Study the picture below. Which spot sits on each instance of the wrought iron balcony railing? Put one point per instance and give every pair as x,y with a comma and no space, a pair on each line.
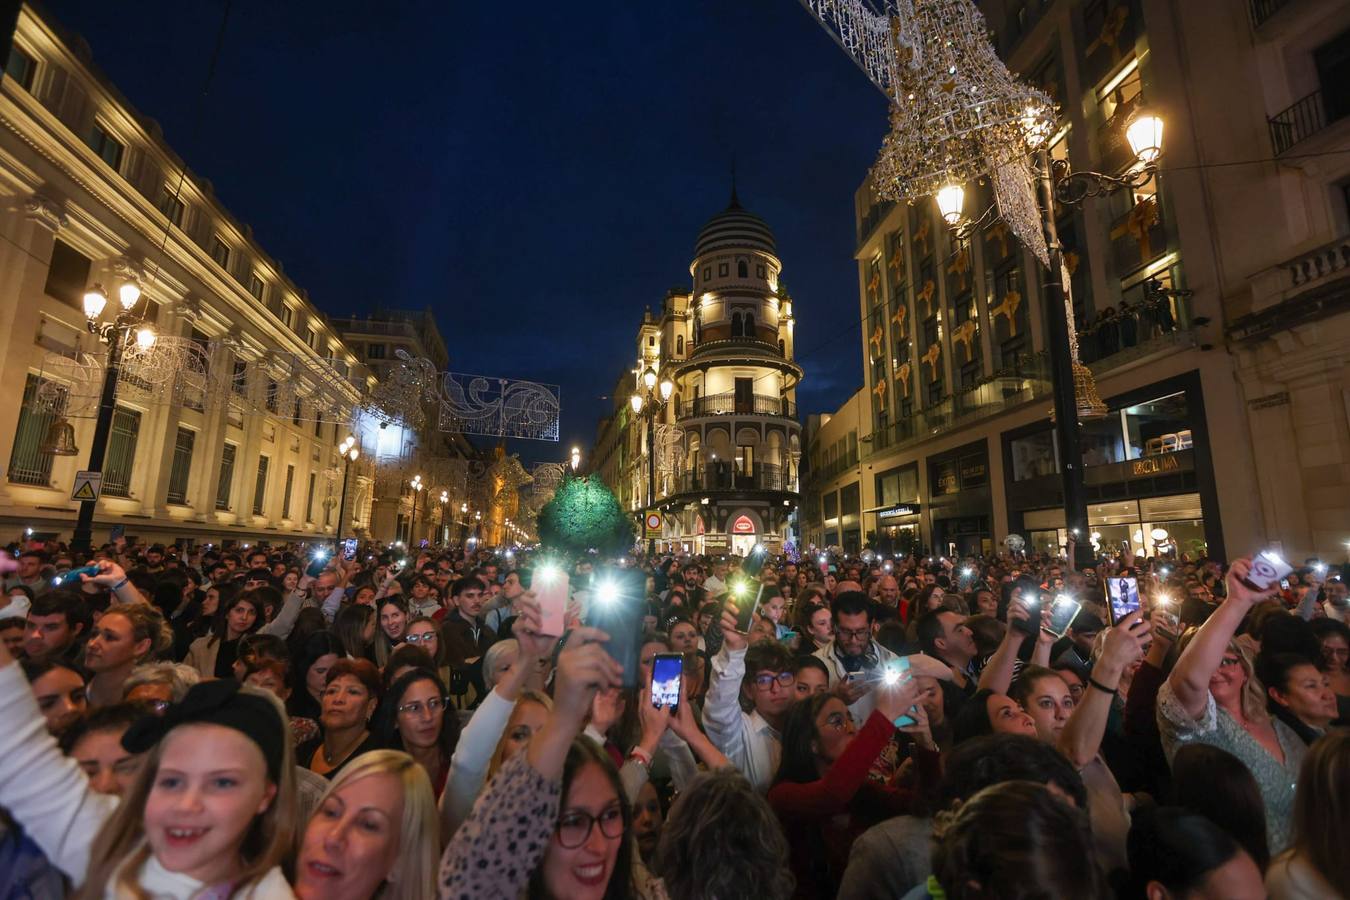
729,404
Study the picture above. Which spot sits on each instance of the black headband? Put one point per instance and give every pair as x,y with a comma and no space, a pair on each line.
217,702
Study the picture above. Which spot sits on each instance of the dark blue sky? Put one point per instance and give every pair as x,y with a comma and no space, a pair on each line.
534,172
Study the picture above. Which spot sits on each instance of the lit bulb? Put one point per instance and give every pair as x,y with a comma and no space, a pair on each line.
145,338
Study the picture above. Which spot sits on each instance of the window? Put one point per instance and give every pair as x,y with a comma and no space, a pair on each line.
106,146
182,465
312,338
256,286
172,206
239,380
121,459
318,428
1332,60
737,330
21,67
67,275
272,389
286,497
759,271
722,270
679,345
742,269
707,273
226,476
375,351
309,500
288,316
260,486
27,463
220,251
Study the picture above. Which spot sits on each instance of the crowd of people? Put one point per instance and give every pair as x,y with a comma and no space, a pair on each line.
275,722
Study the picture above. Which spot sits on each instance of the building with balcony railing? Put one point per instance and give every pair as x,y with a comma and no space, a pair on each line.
723,450
1226,249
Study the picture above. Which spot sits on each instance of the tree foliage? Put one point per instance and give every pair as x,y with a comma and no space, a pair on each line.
584,514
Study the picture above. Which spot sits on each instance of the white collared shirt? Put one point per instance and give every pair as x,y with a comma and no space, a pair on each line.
751,744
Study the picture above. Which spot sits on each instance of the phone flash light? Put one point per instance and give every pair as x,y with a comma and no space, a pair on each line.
891,677
967,571
1321,568
607,592
320,554
28,532
1063,600
740,588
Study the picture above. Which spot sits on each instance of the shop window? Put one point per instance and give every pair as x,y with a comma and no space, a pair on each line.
1102,442
1157,427
1034,456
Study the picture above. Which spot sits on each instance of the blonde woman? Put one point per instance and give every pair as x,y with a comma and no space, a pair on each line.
127,635
224,746
1213,697
374,834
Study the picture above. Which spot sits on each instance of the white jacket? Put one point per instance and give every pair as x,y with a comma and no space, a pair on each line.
863,707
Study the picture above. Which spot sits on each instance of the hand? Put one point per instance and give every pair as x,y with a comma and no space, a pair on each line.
109,574
1239,591
683,724
851,691
1124,644
1044,635
534,645
654,721
583,669
894,700
8,564
606,708
734,639
1017,612
921,731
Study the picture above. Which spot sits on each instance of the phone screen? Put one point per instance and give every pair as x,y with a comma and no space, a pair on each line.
1062,613
1124,594
667,671
616,607
550,587
896,671
754,561
116,532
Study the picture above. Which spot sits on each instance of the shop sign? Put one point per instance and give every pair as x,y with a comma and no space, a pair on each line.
743,525
895,512
715,542
1269,400
1154,465
945,478
974,472
1145,467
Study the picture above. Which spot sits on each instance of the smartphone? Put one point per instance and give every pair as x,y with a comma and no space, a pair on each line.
116,532
896,671
616,606
1031,599
754,561
1062,613
667,674
550,585
1124,594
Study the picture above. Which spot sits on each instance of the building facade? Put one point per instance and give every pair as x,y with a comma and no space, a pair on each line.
1208,302
90,193
721,453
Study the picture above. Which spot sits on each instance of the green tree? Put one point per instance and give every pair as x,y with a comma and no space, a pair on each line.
584,514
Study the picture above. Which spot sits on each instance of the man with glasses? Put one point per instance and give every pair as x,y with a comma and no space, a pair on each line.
854,659
747,701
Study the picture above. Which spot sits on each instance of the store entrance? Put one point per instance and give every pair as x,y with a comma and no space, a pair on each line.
742,544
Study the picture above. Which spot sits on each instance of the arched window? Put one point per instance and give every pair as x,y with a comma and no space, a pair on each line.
742,269
782,348
737,329
748,325
679,345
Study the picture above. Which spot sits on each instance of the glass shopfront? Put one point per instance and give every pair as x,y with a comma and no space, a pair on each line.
1147,476
960,505
894,528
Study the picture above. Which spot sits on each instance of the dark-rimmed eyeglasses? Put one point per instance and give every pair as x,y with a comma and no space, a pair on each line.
765,680
435,704
574,826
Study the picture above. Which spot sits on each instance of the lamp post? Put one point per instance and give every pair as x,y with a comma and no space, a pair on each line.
1057,184
347,450
576,459
416,485
116,334
650,402
441,537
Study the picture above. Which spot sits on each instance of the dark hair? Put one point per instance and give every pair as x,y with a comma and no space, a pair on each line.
1216,784
219,628
253,647
928,629
1017,839
317,645
1285,633
766,655
1326,627
1272,669
585,752
810,662
1022,686
798,763
720,817
33,669
891,635
103,718
449,735
1322,807
66,603
405,655
995,758
1177,848
465,583
972,720
349,627
851,603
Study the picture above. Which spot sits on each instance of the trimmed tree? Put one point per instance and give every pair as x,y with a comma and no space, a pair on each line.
584,514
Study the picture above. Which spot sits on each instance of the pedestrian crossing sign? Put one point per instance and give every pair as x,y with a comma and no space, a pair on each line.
87,485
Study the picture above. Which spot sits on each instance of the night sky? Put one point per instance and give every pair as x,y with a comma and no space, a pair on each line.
534,172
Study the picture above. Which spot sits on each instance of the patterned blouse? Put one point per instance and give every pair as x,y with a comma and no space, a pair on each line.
1217,728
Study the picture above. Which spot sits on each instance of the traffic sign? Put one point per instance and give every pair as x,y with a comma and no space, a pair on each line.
88,485
654,522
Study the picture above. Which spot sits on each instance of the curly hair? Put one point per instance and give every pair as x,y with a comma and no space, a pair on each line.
720,817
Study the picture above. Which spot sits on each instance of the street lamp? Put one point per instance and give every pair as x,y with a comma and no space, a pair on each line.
1075,393
576,459
440,534
650,403
118,335
347,450
416,485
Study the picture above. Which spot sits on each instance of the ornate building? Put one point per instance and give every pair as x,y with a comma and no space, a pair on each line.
722,451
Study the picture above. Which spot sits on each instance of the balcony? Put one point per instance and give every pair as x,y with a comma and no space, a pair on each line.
720,476
1300,290
729,404
736,345
1303,119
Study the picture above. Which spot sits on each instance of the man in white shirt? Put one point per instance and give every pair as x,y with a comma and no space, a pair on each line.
854,659
747,701
716,583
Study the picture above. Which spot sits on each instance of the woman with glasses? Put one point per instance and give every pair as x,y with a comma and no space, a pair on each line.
425,634
822,780
419,721
1213,697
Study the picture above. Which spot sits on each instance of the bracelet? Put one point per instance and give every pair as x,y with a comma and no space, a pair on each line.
116,587
641,757
1101,687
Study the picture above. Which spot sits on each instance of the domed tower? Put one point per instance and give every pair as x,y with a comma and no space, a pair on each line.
736,388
